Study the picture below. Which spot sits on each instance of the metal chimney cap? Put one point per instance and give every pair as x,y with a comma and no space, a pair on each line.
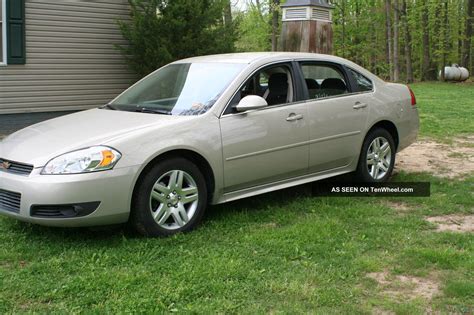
304,3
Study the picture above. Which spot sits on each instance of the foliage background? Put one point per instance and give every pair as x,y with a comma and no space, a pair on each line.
430,33
399,40
162,31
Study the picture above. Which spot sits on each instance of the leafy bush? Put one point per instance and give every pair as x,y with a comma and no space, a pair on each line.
162,31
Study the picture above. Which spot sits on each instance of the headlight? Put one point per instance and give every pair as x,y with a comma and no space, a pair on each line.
93,159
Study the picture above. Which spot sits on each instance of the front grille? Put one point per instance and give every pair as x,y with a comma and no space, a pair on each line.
15,167
10,201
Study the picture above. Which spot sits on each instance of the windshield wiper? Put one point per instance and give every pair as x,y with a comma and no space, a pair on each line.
153,111
108,106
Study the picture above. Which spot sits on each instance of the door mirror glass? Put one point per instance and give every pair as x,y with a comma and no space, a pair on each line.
251,102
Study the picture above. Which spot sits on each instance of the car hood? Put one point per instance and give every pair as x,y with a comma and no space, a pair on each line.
39,143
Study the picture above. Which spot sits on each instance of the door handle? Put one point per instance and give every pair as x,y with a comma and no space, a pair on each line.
359,105
294,117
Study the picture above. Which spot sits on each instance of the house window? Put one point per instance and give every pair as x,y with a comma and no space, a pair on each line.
12,32
3,33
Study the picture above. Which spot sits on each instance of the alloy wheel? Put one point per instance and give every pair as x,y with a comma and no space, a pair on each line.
174,199
379,158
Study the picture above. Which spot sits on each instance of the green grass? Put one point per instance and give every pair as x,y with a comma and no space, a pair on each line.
284,252
446,109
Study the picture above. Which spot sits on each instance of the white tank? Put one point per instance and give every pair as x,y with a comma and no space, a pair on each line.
464,74
455,73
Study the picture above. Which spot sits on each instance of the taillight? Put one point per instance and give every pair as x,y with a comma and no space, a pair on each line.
413,98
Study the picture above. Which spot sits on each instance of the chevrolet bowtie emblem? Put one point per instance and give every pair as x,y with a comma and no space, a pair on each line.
6,165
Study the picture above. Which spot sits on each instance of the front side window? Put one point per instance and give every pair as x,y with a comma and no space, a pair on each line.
3,32
324,81
363,84
274,84
179,89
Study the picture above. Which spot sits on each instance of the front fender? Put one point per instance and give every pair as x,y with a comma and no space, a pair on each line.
200,135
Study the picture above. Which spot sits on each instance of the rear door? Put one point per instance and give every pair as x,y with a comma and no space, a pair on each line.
337,116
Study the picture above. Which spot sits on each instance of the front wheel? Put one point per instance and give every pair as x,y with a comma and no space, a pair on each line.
377,158
170,198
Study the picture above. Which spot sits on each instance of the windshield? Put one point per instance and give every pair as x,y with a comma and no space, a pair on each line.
179,89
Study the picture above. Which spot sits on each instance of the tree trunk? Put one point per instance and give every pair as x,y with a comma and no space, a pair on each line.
343,21
388,31
259,7
462,23
468,36
356,34
396,40
427,73
408,44
275,24
228,13
445,40
373,54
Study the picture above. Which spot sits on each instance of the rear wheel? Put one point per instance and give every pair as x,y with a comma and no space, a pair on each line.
377,158
169,199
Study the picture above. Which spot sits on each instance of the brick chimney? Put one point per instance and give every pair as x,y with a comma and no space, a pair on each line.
307,26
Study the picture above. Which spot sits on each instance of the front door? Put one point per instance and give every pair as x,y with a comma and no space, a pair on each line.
267,145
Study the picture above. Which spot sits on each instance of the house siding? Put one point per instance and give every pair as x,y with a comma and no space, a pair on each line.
71,61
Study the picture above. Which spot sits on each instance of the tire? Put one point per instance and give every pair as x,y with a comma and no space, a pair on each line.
382,159
162,206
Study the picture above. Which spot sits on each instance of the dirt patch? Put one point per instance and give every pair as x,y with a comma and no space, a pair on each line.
406,287
398,206
453,223
379,311
270,225
439,159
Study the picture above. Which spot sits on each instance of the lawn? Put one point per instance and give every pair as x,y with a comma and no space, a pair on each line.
446,109
284,252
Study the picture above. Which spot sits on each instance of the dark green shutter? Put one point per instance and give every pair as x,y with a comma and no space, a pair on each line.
16,50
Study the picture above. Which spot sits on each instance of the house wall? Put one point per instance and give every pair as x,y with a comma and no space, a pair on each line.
71,62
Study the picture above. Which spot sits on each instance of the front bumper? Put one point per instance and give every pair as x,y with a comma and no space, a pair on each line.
113,189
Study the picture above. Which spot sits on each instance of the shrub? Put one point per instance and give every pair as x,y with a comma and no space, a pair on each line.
162,31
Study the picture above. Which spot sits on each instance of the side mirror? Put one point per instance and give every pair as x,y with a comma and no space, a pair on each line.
251,102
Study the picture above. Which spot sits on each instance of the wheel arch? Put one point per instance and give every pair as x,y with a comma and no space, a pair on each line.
187,154
390,127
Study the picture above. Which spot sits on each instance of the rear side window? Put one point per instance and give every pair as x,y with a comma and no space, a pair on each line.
363,84
324,81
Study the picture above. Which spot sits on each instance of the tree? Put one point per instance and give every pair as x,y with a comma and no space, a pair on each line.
396,41
259,26
408,44
445,40
466,51
388,31
275,8
427,35
427,70
254,30
162,31
228,13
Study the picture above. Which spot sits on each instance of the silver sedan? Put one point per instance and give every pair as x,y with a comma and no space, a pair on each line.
206,130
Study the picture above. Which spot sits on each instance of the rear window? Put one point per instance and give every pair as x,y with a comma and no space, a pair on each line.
363,83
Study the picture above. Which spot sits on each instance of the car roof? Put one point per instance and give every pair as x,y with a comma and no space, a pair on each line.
248,58
269,57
